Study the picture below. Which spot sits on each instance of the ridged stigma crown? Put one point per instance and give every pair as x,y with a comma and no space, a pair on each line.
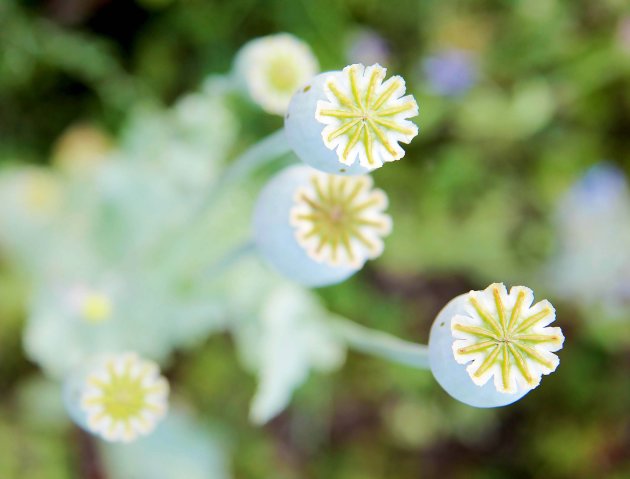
365,117
507,337
125,397
340,220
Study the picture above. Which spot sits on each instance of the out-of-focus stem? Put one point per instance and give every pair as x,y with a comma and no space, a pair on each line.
383,345
257,155
269,148
265,150
232,257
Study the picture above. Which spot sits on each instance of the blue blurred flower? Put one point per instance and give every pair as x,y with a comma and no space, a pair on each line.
592,221
450,72
598,190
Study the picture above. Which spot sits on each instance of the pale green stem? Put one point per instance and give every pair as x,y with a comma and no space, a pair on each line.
383,345
257,155
270,147
260,153
360,338
228,260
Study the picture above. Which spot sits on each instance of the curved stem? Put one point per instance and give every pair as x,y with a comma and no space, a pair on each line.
270,147
228,260
360,338
383,345
260,153
265,150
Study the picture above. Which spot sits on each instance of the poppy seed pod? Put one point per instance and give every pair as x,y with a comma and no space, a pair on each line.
319,229
489,348
350,122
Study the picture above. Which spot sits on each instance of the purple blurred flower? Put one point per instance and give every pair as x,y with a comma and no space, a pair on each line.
623,34
368,47
450,72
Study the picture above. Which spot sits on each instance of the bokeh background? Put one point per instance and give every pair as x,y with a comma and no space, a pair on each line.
518,175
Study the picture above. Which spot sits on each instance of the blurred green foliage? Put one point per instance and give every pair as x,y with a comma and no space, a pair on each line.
472,204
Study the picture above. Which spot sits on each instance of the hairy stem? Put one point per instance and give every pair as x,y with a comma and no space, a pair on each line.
383,345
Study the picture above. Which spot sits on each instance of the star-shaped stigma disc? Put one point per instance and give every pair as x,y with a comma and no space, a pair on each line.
505,336
340,220
365,117
124,398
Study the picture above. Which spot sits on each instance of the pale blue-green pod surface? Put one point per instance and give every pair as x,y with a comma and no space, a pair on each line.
73,387
453,376
275,237
304,132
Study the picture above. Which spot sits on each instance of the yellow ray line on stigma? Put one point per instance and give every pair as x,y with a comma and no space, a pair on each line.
365,205
475,330
371,86
331,190
488,362
342,114
394,110
529,322
362,239
343,99
323,241
392,125
535,355
358,187
314,231
365,222
354,139
499,305
310,202
345,239
343,129
485,316
521,364
516,310
311,217
538,338
318,189
505,367
367,145
354,87
341,186
395,85
474,348
383,140
334,245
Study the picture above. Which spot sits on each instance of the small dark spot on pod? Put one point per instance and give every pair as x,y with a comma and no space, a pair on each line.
342,170
306,88
442,323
